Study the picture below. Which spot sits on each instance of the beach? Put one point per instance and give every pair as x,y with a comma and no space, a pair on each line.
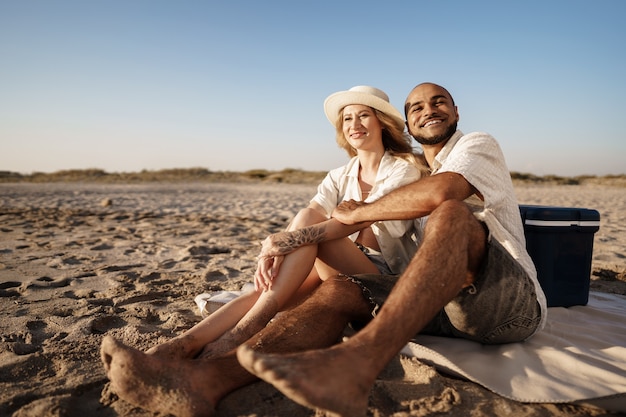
82,260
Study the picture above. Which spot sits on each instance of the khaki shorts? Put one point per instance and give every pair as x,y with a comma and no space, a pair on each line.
499,307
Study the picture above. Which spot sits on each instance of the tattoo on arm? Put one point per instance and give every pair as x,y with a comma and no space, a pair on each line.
306,236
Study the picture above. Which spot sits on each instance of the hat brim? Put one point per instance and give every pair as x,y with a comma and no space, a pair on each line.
337,101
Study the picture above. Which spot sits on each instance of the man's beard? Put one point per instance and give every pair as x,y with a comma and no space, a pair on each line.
437,139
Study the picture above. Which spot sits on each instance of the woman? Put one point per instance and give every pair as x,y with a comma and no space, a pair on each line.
315,245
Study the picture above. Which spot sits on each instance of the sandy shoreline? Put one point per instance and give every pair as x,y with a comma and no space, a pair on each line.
81,260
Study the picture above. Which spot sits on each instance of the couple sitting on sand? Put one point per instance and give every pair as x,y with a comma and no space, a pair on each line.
383,247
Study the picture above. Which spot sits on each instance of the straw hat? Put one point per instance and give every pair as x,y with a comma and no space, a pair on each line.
361,94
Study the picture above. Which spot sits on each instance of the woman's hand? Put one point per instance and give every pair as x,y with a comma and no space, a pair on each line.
266,271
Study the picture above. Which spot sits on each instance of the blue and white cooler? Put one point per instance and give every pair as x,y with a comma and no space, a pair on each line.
560,242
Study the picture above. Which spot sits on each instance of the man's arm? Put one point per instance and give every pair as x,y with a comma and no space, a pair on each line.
411,201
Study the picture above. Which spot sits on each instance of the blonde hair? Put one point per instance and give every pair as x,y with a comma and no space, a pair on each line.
394,141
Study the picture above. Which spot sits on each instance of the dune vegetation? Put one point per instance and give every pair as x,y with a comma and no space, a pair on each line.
289,175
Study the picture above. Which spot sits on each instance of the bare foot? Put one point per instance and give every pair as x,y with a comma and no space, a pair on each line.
179,387
328,379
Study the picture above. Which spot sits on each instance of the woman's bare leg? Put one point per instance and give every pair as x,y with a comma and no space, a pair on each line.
238,320
190,343
209,330
292,275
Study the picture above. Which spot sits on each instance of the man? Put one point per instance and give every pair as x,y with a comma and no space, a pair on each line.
470,278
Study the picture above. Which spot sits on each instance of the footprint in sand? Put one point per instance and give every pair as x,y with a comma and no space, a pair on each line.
47,282
102,246
120,268
100,325
202,250
201,253
29,340
133,297
9,288
27,366
167,264
62,262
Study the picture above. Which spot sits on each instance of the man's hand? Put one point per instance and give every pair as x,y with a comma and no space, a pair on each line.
345,211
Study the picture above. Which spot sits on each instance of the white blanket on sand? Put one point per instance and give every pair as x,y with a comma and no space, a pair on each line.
579,357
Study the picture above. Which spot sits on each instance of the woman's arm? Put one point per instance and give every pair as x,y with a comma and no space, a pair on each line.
309,226
282,243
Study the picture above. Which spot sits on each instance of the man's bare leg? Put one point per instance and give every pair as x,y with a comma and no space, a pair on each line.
339,379
187,387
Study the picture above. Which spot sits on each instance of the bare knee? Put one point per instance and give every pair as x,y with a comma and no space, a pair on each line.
454,222
452,216
450,213
306,217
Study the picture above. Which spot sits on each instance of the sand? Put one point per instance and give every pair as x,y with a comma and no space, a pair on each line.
78,261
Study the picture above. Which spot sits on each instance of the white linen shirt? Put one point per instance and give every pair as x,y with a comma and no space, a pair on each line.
397,239
479,159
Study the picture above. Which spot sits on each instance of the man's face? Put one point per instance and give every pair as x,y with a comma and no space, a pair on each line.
431,114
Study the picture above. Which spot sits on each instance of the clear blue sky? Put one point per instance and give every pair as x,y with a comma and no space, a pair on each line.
236,85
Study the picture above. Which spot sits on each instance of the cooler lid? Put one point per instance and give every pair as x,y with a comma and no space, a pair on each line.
559,216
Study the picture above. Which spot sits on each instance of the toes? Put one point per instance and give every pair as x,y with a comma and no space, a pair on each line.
251,360
106,361
106,352
245,356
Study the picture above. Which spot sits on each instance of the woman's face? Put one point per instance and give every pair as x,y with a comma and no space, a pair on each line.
361,127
